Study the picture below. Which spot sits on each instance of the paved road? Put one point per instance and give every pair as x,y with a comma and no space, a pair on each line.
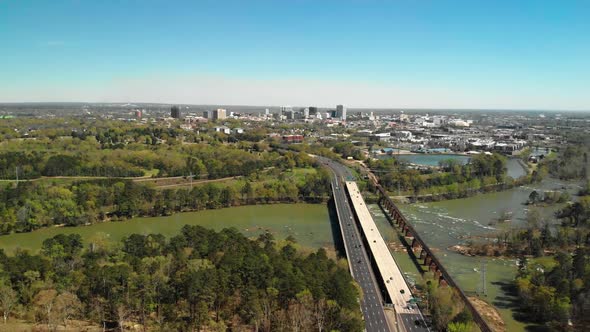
371,304
385,265
360,264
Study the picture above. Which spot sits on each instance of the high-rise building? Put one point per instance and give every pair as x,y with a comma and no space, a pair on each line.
289,115
313,110
175,112
341,112
306,113
283,110
219,114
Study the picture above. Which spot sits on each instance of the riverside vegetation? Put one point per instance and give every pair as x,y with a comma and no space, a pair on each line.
101,173
556,292
553,280
483,173
198,279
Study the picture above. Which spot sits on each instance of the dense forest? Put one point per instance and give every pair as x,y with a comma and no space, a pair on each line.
573,162
199,279
30,160
558,293
32,148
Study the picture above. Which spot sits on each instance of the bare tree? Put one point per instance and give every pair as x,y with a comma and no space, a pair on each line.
320,312
67,306
300,312
280,320
8,300
45,301
123,314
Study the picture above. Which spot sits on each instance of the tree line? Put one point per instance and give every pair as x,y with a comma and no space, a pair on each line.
572,163
198,279
557,295
453,181
33,205
200,160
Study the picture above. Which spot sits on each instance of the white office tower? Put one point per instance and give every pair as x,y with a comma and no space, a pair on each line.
341,112
306,113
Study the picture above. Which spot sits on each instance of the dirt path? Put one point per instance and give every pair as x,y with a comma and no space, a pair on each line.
164,182
186,182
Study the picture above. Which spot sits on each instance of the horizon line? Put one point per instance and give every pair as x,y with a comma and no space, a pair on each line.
328,107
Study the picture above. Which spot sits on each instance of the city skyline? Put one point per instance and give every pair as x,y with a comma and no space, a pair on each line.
363,54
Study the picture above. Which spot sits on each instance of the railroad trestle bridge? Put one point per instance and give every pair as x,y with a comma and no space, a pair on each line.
422,252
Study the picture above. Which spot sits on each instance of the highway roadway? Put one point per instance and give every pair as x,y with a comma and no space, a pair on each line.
395,283
407,314
371,303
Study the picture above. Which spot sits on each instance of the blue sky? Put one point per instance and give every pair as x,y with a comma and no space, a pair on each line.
413,53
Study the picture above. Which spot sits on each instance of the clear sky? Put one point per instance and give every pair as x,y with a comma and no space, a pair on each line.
512,54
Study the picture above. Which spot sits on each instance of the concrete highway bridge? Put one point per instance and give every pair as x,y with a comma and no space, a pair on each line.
370,262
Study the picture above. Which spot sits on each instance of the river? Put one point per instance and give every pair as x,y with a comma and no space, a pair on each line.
431,159
514,169
446,223
308,223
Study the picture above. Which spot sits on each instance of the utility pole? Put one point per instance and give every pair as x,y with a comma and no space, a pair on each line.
399,192
483,265
16,171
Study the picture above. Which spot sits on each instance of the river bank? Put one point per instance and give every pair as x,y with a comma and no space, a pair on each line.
309,224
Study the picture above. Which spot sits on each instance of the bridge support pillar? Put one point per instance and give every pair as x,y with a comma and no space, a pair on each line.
418,250
407,232
432,267
416,246
437,274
